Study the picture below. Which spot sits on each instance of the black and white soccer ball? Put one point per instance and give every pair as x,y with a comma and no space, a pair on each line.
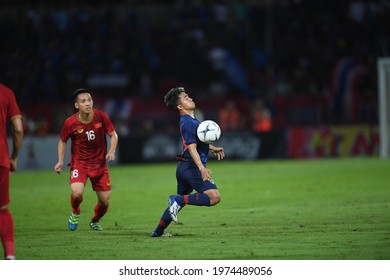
208,131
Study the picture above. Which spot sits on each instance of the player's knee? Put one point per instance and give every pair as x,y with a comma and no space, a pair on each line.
213,196
103,204
215,199
77,195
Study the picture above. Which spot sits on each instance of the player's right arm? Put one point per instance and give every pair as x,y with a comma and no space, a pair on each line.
61,156
196,158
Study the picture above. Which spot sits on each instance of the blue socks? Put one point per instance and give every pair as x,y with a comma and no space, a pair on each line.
164,222
199,199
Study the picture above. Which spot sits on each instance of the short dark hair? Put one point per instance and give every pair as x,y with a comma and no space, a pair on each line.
76,93
172,97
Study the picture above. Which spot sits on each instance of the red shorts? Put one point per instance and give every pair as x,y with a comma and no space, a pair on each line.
99,177
4,186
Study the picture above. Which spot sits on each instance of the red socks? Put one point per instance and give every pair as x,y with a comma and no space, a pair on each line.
7,233
100,210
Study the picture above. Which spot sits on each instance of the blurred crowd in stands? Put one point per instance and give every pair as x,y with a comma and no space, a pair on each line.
251,65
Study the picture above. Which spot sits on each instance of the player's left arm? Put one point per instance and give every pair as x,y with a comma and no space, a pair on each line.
217,151
17,136
113,143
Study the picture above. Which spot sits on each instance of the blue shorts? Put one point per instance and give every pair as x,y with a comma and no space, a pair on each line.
189,178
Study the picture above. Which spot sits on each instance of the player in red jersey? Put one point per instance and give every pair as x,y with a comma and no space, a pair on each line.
9,111
87,130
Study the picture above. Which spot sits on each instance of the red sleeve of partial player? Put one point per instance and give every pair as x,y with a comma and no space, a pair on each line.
13,107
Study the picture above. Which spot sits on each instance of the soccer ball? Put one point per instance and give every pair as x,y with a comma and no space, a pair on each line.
208,131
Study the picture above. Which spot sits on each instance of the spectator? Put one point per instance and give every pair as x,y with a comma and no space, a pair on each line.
260,117
230,118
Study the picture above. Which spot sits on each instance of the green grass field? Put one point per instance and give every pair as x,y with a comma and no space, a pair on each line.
272,210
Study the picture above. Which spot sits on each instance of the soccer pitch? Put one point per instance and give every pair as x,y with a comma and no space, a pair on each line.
333,209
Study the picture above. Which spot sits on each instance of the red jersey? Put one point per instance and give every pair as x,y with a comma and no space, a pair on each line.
8,110
89,144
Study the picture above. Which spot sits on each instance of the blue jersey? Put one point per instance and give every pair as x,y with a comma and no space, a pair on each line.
188,126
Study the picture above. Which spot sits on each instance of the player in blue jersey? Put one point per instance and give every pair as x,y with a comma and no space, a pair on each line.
191,173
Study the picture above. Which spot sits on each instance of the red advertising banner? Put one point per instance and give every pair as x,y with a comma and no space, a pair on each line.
332,141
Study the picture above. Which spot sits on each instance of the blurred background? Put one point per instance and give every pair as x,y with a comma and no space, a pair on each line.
283,78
